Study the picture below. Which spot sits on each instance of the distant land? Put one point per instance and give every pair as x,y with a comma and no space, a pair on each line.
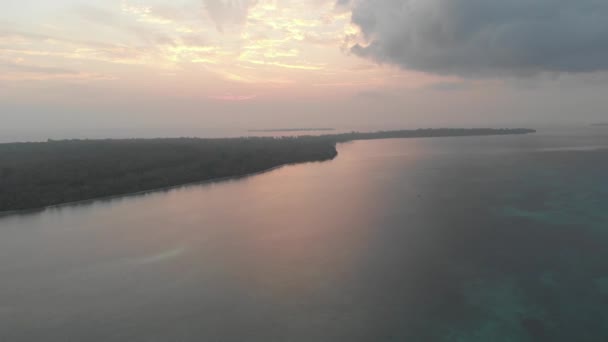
292,130
41,174
600,124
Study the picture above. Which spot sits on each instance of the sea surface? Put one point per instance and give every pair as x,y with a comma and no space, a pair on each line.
444,239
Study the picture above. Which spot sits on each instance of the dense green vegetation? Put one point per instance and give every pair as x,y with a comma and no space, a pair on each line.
35,175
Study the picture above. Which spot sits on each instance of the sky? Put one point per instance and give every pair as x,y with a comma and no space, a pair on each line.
97,68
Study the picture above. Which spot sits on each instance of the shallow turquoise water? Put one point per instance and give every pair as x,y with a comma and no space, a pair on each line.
452,239
563,287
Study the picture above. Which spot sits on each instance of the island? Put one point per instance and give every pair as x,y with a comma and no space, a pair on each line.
41,174
270,130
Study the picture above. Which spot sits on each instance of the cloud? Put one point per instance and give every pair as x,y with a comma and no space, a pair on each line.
474,38
449,86
321,40
50,46
194,40
342,5
150,15
228,12
233,98
11,71
95,14
17,67
159,14
374,95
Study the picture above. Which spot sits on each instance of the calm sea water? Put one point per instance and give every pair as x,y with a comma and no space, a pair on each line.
447,239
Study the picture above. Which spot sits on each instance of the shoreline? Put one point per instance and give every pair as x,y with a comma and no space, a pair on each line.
144,192
338,139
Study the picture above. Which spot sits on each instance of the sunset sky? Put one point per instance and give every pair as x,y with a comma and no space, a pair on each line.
72,68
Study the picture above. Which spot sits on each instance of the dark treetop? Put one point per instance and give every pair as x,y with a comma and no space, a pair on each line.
35,175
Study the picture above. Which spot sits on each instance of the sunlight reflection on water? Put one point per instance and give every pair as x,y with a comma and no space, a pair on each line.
413,239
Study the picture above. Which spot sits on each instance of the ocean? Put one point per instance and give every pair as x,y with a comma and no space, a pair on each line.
441,239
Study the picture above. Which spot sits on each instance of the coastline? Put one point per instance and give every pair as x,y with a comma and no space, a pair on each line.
337,139
145,192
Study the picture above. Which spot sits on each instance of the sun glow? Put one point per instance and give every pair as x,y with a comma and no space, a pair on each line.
252,49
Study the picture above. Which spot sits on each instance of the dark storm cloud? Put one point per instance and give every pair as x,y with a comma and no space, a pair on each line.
342,3
484,37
